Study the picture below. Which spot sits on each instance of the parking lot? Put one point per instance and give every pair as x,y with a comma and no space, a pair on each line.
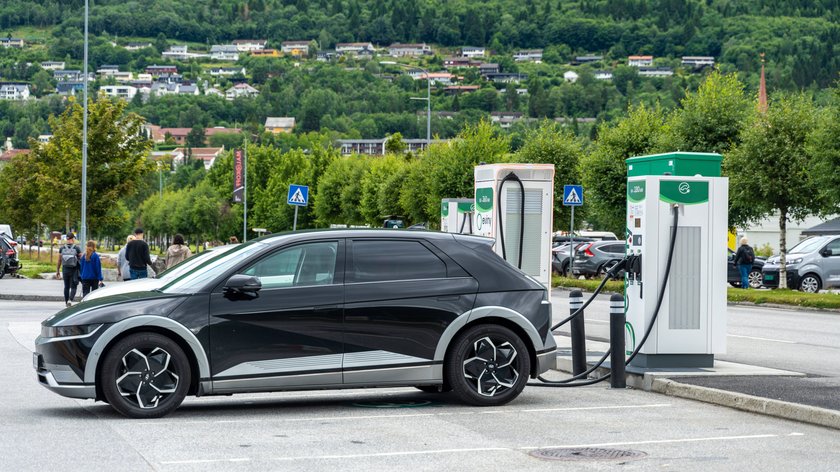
386,429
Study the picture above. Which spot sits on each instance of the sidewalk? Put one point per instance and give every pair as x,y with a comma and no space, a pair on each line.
38,290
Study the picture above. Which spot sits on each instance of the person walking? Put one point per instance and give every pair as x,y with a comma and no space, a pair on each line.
68,267
91,269
177,252
123,271
744,258
137,253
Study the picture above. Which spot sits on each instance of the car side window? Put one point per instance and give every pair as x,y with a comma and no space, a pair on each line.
834,247
298,266
379,261
615,248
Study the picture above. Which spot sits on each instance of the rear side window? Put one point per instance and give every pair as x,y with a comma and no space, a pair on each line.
379,261
613,248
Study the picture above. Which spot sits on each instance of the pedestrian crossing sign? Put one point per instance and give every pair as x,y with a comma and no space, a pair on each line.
298,195
573,195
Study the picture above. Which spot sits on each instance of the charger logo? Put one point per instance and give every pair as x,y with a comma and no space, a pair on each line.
684,188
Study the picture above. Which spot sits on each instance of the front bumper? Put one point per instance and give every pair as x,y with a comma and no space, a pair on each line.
770,278
70,384
60,364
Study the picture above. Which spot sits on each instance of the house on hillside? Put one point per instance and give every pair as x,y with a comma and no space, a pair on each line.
698,62
659,72
10,42
241,90
506,118
177,52
639,61
126,92
280,124
206,155
226,71
488,68
355,49
587,59
224,52
528,55
71,75
409,50
52,65
249,45
156,70
16,92
69,87
570,76
135,46
507,78
295,48
472,51
459,89
603,75
459,61
265,53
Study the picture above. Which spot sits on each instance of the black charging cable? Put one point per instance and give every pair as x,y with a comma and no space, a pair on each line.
512,176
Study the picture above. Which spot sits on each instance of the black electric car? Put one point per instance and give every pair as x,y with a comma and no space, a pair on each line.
310,310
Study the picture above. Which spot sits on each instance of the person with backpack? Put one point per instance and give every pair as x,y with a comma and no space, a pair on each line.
91,269
137,254
68,267
744,258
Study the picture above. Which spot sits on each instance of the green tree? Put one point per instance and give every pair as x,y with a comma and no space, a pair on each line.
605,170
824,148
195,138
395,144
770,172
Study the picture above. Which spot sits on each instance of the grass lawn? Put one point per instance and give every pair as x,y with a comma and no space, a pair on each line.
780,297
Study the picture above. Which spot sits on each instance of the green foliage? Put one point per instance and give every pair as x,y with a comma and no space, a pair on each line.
824,147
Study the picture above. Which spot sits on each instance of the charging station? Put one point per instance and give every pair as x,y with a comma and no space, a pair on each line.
456,215
514,203
691,327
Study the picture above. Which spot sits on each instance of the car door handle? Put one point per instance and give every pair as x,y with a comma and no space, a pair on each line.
448,298
325,308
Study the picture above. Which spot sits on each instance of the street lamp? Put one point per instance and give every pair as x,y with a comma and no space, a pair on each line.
428,97
84,132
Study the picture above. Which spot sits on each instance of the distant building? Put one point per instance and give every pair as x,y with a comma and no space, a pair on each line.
177,52
459,61
410,50
507,78
376,147
639,61
281,124
265,53
488,68
14,92
71,75
472,51
570,76
528,55
156,70
52,65
655,72
698,62
355,49
459,89
224,52
69,87
44,138
126,92
603,75
506,118
206,155
588,59
241,90
226,71
442,78
135,46
295,48
249,45
12,42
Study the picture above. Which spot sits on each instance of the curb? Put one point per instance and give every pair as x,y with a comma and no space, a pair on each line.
31,298
740,401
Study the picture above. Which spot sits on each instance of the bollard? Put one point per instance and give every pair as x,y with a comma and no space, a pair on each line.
578,333
617,319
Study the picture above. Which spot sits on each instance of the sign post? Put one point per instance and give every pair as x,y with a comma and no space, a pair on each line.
572,197
298,197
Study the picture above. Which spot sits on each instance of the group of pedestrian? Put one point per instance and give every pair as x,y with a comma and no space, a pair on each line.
75,266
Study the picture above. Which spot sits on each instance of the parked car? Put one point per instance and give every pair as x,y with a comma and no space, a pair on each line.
599,235
310,310
560,257
559,240
596,258
10,263
812,265
168,275
733,274
393,222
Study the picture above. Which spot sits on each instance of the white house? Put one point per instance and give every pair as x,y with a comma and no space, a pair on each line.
570,76
639,61
136,46
698,61
52,65
241,90
126,92
44,138
177,52
411,50
14,92
9,42
472,51
354,49
226,71
224,52
603,75
660,72
248,45
528,55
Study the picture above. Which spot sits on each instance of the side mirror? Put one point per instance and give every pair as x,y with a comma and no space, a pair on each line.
241,283
826,252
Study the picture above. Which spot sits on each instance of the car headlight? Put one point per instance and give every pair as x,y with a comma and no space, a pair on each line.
793,261
65,331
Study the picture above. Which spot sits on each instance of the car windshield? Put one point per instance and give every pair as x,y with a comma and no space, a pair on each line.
209,268
808,245
187,265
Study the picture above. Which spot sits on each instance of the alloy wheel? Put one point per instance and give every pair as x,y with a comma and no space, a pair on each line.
810,284
146,377
490,366
755,279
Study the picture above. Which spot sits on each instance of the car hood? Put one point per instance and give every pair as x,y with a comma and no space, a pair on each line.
111,309
139,285
788,257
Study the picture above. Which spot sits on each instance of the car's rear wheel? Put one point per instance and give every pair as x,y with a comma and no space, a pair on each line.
488,365
755,278
145,375
810,284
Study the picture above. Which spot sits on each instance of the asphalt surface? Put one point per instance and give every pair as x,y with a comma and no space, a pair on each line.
385,429
800,341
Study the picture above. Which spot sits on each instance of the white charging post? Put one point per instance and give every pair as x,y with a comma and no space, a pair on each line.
456,215
535,224
691,325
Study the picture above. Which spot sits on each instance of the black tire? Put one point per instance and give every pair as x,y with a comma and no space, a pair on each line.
565,270
160,360
810,284
755,278
432,388
481,375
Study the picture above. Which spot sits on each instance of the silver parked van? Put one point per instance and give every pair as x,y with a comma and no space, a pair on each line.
813,264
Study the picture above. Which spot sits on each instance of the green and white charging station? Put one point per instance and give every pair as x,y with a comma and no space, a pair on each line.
691,326
498,186
456,215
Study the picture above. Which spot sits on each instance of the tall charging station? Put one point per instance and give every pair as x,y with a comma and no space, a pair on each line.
691,324
456,215
502,213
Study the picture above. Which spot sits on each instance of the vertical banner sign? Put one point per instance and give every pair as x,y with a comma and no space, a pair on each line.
238,176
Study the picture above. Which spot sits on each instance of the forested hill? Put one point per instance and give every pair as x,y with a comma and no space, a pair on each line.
800,37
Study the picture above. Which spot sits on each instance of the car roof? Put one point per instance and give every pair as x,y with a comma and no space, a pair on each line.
373,233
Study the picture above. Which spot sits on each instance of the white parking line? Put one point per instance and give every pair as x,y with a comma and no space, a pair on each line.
761,339
489,449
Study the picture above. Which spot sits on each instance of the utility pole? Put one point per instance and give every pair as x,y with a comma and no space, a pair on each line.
84,132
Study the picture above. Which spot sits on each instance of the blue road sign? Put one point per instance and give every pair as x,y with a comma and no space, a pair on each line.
298,195
573,195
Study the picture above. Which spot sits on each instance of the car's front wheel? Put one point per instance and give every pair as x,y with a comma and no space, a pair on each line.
810,284
488,365
145,375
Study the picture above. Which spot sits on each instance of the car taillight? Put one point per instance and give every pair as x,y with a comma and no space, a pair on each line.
10,252
587,252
